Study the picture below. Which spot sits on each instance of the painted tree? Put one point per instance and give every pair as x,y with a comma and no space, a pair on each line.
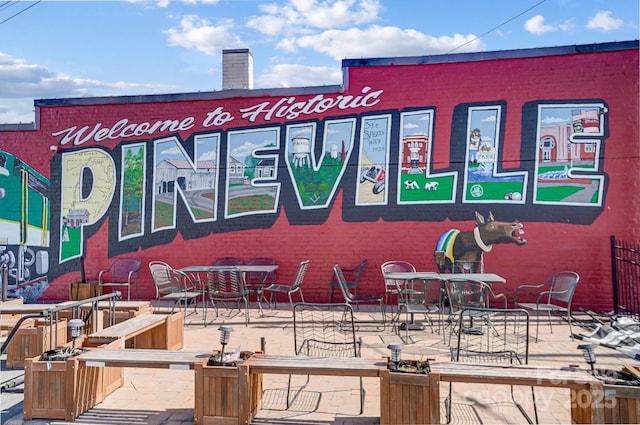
132,186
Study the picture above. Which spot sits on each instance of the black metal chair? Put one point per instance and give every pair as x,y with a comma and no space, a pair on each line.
324,330
226,284
355,300
352,277
504,340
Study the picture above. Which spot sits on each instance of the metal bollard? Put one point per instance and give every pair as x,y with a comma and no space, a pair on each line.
4,279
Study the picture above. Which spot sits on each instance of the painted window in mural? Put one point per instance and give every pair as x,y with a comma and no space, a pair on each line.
314,184
373,163
482,181
248,172
24,224
416,183
88,184
569,138
132,194
196,181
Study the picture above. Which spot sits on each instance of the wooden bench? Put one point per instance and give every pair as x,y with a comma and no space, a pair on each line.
154,331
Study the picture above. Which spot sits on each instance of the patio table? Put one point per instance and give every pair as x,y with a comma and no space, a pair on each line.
197,270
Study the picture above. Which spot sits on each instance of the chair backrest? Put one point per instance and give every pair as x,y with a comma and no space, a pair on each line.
562,286
260,277
122,267
420,292
226,282
324,330
342,282
463,292
163,278
357,272
497,336
300,273
228,261
395,266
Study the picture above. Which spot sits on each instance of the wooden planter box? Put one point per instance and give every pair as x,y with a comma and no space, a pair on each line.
66,389
218,391
79,291
407,398
622,402
33,340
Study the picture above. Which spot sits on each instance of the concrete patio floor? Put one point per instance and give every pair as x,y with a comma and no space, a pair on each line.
166,397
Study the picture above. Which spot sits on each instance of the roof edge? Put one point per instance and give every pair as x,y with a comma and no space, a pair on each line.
177,97
492,55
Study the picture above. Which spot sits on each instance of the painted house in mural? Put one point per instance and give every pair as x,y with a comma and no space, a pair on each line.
236,172
172,172
377,168
266,168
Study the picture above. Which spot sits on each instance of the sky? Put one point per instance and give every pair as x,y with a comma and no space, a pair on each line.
64,49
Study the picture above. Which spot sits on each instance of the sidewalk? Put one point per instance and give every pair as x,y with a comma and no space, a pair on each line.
166,397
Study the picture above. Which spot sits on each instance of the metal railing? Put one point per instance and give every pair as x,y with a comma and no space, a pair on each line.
625,268
50,315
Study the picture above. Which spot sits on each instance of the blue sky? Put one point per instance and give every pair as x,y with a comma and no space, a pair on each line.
54,49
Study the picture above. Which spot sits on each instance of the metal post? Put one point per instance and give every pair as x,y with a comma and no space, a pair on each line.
4,278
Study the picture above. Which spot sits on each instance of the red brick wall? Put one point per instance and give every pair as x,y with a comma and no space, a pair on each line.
555,242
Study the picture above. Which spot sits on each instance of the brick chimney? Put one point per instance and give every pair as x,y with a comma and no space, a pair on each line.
237,69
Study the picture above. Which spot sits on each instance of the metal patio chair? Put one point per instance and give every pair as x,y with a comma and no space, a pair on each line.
353,299
324,330
554,295
391,285
352,277
122,272
225,285
258,281
463,292
296,286
503,341
173,286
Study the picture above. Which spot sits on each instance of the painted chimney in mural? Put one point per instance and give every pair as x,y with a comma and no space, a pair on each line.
237,69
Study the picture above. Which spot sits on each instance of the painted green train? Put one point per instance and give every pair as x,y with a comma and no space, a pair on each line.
24,226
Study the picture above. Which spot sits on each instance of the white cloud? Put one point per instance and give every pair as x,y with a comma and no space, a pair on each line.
291,75
197,33
553,120
22,82
245,149
537,26
19,79
297,16
603,21
389,41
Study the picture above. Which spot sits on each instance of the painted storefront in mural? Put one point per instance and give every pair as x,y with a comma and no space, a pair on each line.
219,175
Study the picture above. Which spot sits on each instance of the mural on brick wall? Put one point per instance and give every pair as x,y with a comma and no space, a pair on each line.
24,227
151,188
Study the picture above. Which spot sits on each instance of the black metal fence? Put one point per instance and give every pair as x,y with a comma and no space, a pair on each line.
625,266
